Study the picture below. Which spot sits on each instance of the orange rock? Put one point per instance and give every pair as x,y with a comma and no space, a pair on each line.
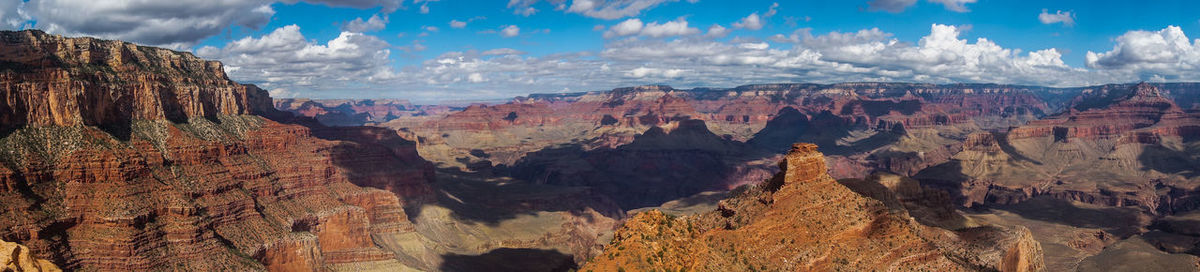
16,257
803,220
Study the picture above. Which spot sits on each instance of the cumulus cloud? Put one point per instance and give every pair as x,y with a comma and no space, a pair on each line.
893,6
387,6
941,56
673,28
375,23
635,26
643,72
510,31
602,9
897,6
865,55
751,22
716,31
10,16
463,24
502,51
755,22
625,28
955,5
176,24
1066,18
772,10
286,59
1167,53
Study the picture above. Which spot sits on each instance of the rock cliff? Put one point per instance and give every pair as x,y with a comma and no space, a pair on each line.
123,157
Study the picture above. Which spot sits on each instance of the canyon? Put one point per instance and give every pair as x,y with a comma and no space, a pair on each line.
1124,152
115,156
124,157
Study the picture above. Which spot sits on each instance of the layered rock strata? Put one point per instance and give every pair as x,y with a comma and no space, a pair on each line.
803,220
122,157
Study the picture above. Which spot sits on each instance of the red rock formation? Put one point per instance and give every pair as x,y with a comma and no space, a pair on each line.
121,157
52,80
803,220
1113,147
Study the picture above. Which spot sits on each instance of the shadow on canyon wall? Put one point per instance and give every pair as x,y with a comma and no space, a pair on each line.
510,259
824,129
658,166
1120,221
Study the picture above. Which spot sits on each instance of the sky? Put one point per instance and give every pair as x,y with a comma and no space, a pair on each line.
432,51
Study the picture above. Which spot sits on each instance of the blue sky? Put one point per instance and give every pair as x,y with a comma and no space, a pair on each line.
313,48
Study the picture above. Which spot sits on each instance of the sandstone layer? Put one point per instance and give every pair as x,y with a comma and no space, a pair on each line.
1114,147
804,220
122,157
16,257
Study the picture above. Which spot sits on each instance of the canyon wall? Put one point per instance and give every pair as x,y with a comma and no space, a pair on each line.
123,157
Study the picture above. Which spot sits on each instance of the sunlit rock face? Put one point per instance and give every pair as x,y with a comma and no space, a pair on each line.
122,157
804,220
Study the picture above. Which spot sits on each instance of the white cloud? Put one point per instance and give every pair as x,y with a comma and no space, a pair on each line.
286,59
941,56
673,28
897,6
10,15
431,28
751,22
644,72
955,5
527,11
424,9
463,24
1140,54
375,23
475,78
771,11
602,9
625,28
177,24
387,6
502,51
635,26
510,31
716,31
1066,18
893,6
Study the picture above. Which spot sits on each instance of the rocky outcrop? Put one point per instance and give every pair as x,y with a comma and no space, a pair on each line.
122,157
16,257
804,220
